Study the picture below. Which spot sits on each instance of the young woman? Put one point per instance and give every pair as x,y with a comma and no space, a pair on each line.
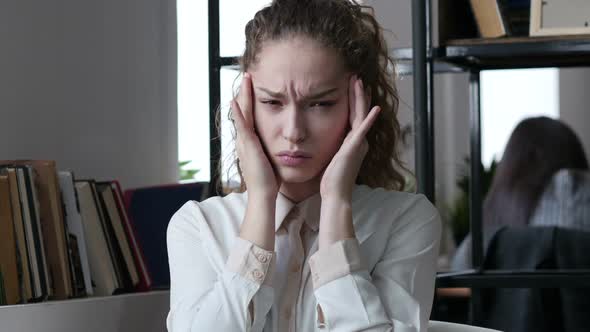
542,180
320,238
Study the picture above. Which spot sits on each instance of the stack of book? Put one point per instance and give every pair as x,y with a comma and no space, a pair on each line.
62,237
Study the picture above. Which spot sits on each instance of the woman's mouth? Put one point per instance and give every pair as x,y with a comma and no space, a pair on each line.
293,158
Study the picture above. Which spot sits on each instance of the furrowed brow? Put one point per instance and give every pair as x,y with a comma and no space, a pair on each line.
272,94
322,93
318,95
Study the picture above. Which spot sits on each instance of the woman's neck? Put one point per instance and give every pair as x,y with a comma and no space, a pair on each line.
298,192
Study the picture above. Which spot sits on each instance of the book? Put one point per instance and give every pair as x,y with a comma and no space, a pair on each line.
488,17
23,264
35,249
150,209
108,197
78,284
8,247
50,217
123,277
144,277
75,227
102,269
30,279
47,290
517,16
2,294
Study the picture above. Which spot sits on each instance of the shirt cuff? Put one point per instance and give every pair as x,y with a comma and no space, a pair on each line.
251,262
335,261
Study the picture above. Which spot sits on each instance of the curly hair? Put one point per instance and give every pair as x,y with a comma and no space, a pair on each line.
353,32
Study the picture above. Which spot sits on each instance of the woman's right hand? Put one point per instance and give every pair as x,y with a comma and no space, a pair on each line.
257,171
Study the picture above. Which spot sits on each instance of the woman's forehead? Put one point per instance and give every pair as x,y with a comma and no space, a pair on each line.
299,62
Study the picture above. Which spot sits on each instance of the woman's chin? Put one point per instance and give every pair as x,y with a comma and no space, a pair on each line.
295,175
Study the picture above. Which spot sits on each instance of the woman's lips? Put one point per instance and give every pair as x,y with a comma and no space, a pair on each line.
287,160
293,158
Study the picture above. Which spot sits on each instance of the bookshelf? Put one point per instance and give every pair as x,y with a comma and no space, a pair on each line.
460,51
507,53
104,106
126,312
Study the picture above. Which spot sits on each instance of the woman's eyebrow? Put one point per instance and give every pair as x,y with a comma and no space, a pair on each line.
314,96
270,93
322,93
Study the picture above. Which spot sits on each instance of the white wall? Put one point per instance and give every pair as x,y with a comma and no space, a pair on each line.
92,85
574,102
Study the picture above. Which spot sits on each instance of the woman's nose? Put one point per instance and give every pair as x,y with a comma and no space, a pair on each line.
294,125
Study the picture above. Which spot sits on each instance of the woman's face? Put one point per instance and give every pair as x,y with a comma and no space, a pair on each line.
301,113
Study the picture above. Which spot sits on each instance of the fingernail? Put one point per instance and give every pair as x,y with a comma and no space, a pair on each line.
361,83
246,75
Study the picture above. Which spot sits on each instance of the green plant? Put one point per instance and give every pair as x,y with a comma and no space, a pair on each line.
459,211
186,174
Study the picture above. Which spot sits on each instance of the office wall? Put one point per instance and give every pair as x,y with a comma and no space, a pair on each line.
92,85
574,102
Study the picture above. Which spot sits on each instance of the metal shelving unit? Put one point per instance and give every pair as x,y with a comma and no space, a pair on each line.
473,56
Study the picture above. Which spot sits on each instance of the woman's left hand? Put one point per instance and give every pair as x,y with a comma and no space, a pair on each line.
340,175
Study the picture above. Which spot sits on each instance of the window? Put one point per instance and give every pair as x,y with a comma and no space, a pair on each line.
509,96
193,87
193,80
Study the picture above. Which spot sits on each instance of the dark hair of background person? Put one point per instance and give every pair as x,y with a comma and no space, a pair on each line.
537,148
353,33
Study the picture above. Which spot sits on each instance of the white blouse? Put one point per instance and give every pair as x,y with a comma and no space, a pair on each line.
381,281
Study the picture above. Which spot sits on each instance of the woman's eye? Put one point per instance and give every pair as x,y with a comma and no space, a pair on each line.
271,102
322,104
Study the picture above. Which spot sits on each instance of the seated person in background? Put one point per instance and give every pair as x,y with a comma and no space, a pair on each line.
542,180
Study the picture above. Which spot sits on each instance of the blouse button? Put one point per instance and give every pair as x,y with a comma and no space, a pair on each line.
262,258
258,275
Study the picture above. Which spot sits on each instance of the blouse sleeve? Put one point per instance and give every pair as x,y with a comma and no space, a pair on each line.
203,299
397,294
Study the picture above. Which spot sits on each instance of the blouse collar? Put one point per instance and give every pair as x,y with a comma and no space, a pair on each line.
309,208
